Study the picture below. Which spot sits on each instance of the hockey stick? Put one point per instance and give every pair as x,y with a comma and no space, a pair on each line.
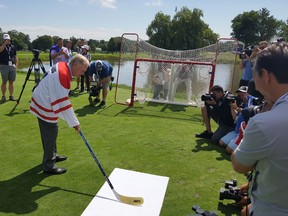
124,199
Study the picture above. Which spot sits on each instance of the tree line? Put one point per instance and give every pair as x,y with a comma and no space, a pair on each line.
185,31
188,31
22,42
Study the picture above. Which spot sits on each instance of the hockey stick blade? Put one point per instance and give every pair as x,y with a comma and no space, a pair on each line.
124,199
129,200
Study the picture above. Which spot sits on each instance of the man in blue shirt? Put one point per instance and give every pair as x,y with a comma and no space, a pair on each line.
101,72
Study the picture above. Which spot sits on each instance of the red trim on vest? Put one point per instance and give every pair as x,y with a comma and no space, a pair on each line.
64,75
59,101
63,109
41,107
43,116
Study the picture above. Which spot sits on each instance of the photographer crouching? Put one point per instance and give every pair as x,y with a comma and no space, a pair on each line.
101,73
217,107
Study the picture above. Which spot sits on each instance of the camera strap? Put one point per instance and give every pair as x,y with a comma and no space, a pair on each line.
97,74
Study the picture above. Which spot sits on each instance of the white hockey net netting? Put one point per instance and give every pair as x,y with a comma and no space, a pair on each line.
150,74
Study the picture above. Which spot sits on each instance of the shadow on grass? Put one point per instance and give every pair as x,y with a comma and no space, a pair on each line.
207,145
16,194
171,107
87,110
177,112
14,113
77,93
203,145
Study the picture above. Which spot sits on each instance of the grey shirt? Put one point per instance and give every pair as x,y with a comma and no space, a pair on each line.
265,144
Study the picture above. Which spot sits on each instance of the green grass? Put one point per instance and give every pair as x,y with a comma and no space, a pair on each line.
149,138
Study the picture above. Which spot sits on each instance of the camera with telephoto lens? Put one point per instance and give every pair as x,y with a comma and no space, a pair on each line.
95,89
36,53
230,97
231,192
257,101
248,51
208,97
251,111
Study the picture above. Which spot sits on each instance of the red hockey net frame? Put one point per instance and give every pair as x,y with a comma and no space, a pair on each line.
150,74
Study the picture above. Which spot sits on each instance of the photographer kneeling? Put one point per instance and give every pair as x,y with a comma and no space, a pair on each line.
102,73
217,107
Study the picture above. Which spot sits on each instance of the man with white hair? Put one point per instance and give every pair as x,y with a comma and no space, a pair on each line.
50,101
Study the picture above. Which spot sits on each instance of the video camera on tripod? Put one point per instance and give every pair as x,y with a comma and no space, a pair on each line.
36,64
36,53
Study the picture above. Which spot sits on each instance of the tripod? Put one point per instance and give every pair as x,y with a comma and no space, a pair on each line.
36,64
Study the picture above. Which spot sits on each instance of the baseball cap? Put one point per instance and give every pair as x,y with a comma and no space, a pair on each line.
85,47
99,65
6,37
242,89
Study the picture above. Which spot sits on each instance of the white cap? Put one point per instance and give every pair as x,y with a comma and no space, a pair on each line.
6,37
85,47
99,65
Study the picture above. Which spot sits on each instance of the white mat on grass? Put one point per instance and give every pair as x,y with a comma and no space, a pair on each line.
129,183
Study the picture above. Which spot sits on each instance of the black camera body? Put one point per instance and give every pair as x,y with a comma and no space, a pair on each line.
207,97
36,53
247,51
95,89
257,101
230,97
199,211
231,183
251,111
231,191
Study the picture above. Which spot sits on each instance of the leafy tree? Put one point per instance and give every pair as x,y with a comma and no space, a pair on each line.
254,26
103,45
159,31
186,30
283,30
93,44
268,25
209,37
43,42
114,44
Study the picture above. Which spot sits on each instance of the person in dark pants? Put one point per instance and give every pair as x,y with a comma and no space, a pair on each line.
50,101
85,78
218,108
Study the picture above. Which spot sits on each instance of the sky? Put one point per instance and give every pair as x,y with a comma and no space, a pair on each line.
103,19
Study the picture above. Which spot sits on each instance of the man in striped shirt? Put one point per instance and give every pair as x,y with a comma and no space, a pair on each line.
50,101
